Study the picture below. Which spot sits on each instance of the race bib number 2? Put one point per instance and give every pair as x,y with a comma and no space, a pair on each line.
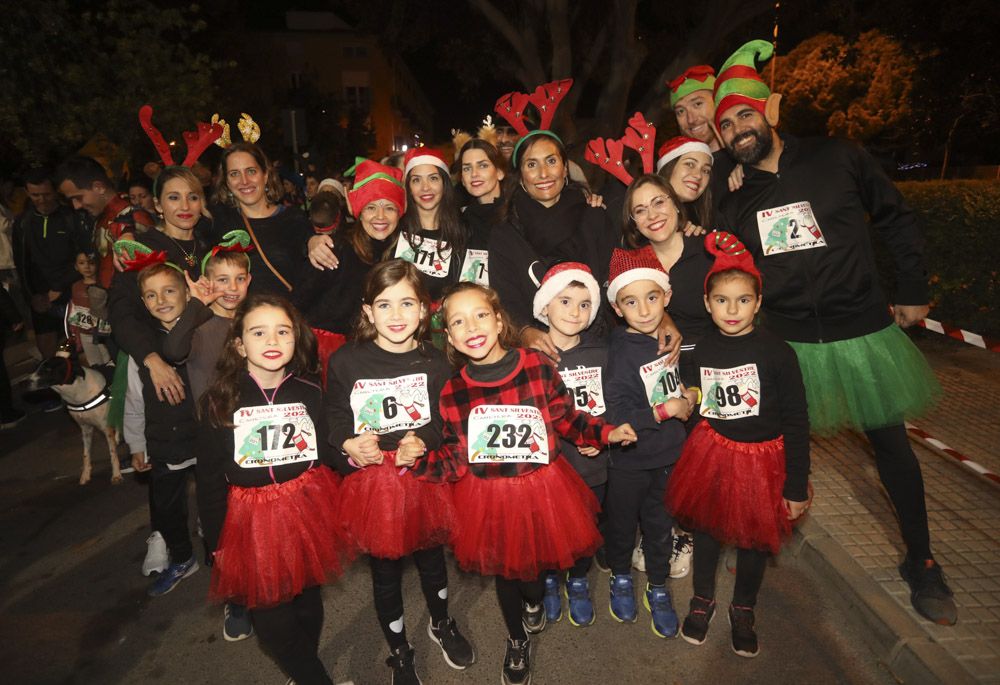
730,393
273,435
501,433
789,228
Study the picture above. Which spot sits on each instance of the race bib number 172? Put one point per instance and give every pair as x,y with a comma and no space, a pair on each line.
272,435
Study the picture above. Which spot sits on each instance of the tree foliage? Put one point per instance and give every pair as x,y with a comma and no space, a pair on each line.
72,69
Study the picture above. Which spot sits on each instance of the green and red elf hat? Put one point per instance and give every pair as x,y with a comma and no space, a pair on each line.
730,253
374,181
135,256
738,80
700,77
545,99
233,241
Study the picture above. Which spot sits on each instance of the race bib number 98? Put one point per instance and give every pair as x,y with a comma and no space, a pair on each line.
662,380
584,384
273,435
789,228
730,393
500,433
384,405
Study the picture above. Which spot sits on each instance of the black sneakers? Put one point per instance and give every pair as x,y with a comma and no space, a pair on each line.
516,662
533,617
700,614
401,662
744,637
929,594
455,649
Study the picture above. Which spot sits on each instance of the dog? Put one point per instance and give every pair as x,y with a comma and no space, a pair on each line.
86,393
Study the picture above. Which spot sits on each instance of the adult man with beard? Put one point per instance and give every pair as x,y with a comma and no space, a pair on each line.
805,210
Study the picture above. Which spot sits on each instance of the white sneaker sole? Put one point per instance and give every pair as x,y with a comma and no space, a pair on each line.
444,653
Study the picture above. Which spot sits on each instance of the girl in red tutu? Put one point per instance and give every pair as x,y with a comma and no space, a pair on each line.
522,508
743,475
382,408
267,497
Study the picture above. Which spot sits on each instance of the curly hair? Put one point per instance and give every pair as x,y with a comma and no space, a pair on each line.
508,338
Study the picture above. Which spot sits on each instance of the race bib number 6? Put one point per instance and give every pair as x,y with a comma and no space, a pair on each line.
389,404
273,435
500,433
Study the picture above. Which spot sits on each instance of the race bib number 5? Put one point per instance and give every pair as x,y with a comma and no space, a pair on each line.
584,384
384,405
730,393
789,228
662,380
273,435
500,433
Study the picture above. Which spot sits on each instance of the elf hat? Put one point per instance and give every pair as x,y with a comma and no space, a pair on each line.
233,241
629,266
557,279
678,146
416,156
729,253
374,181
700,77
738,80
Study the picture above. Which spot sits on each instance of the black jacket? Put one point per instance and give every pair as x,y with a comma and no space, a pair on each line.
45,250
829,292
588,359
171,429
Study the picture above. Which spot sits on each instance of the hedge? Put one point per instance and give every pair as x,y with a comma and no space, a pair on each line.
961,222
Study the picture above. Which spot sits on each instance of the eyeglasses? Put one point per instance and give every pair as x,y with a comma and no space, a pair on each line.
659,204
387,208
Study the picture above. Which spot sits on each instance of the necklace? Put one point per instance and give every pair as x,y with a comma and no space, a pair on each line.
188,256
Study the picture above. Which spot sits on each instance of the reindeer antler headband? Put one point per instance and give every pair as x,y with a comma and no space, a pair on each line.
249,129
487,132
197,141
545,99
640,135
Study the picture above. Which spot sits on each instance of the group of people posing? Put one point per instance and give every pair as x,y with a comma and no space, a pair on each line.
530,379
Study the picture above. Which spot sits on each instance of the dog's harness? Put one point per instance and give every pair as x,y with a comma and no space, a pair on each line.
97,401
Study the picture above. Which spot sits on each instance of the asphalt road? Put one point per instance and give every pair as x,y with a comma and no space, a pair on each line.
73,607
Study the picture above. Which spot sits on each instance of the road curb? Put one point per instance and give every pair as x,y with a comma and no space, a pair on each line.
897,638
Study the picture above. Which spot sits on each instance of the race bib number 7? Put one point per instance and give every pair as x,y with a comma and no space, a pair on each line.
273,435
662,380
501,433
730,393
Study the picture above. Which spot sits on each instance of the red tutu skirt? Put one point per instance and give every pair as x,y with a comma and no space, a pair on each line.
519,527
327,343
731,490
389,515
279,539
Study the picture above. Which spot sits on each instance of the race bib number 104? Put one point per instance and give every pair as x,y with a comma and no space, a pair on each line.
500,433
662,380
272,435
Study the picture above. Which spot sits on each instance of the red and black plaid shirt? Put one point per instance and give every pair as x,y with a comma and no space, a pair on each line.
534,382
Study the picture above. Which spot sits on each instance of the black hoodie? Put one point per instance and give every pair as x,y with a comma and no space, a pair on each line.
583,370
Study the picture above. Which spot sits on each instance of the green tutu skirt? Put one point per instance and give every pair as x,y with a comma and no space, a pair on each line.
877,380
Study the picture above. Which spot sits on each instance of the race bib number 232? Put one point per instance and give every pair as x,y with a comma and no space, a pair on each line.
500,433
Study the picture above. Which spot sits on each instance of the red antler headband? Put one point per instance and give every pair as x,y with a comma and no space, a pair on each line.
545,99
197,141
640,135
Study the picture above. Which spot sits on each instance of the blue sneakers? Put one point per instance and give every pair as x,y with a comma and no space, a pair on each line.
581,609
658,602
622,604
174,574
552,600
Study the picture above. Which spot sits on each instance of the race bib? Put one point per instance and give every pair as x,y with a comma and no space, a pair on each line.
476,267
82,318
662,380
584,384
789,228
427,258
273,435
500,433
384,405
730,393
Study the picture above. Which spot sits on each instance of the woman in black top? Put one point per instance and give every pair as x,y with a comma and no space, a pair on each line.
482,170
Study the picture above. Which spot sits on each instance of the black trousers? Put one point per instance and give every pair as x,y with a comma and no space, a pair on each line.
900,473
290,633
511,594
169,509
582,566
636,498
387,586
750,567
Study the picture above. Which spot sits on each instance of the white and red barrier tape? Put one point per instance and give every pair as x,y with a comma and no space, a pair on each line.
955,454
961,334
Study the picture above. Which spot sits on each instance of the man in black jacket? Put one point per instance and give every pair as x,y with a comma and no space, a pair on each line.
805,210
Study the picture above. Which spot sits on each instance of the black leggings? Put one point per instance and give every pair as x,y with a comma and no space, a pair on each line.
387,586
290,632
582,566
899,471
750,566
511,594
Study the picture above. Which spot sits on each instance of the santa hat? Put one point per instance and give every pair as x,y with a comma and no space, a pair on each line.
558,279
678,146
629,266
700,77
374,181
424,155
738,81
729,253
333,185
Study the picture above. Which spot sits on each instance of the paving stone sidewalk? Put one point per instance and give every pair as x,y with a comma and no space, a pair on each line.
853,537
